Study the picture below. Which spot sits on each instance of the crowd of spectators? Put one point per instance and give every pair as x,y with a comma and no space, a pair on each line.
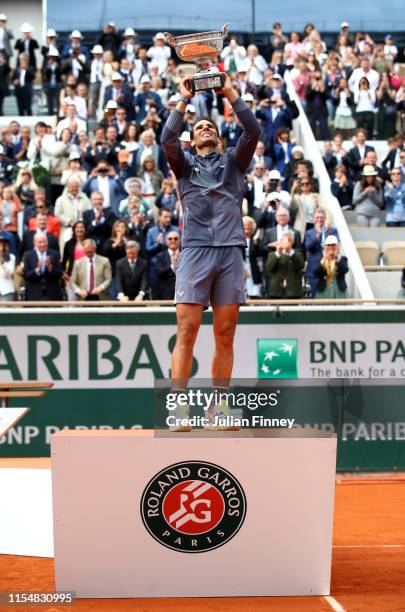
89,207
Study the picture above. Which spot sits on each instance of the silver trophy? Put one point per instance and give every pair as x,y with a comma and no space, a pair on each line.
201,49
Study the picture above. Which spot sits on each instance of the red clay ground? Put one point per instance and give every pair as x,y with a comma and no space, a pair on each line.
368,571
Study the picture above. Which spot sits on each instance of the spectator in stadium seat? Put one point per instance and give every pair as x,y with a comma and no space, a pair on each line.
132,274
110,39
304,201
52,80
156,243
316,108
256,187
242,83
328,158
313,243
104,179
253,261
75,48
91,275
233,54
387,108
294,49
364,71
129,46
44,223
274,114
159,52
39,205
95,79
331,271
69,208
114,247
4,79
142,96
7,266
74,169
42,272
27,46
342,188
6,36
371,160
273,234
12,238
138,229
166,263
10,206
25,187
368,198
356,155
71,117
285,266
231,130
257,64
148,147
99,220
343,101
22,79
364,99
393,158
73,249
120,93
282,150
394,194
259,156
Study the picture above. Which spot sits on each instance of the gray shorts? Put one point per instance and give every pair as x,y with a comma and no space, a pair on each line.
210,275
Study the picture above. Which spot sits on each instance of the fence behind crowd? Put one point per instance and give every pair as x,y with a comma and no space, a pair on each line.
359,285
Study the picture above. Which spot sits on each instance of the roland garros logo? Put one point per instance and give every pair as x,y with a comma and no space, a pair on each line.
193,506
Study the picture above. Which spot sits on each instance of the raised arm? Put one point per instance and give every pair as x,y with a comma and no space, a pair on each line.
247,143
171,132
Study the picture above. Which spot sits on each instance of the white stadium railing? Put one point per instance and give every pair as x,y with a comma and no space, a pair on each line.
359,285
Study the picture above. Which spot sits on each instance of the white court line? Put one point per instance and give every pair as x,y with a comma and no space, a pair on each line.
369,546
335,605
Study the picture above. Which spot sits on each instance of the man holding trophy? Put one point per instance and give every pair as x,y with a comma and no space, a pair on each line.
210,269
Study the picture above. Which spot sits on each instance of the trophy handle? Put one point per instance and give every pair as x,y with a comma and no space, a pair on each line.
169,38
225,30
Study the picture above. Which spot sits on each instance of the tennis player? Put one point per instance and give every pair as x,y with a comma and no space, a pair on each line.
210,266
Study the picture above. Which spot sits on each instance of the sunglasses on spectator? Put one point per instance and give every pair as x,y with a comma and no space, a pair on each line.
306,183
173,239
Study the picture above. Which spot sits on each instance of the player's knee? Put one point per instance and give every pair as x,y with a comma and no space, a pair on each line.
224,336
187,331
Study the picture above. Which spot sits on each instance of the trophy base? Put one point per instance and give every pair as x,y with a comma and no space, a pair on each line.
203,81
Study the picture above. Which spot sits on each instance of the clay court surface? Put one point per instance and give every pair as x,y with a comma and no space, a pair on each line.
368,570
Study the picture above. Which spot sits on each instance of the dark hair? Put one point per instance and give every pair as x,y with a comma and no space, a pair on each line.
282,130
376,182
204,118
80,222
164,209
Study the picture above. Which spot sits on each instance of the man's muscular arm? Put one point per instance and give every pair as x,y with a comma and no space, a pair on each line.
171,132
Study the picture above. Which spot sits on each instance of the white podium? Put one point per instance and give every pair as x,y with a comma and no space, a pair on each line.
193,515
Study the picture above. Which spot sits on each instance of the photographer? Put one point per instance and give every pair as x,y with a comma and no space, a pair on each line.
104,179
7,265
285,266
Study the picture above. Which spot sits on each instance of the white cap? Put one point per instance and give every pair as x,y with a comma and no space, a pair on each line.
159,35
74,155
274,175
248,98
297,148
190,108
97,49
344,24
331,240
129,32
111,23
51,33
1,149
111,104
277,77
26,28
76,34
116,76
274,195
53,52
145,79
174,98
185,137
3,17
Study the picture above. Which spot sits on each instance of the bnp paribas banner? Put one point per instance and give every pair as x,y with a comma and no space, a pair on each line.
104,363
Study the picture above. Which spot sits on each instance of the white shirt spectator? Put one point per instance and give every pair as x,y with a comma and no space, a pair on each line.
358,73
65,123
365,100
80,104
6,276
104,187
160,55
233,53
